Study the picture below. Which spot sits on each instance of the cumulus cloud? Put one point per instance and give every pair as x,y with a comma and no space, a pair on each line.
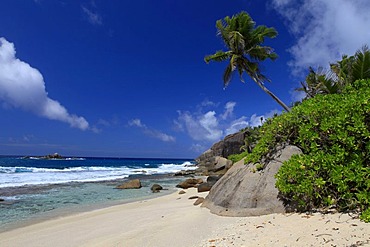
237,125
151,132
200,127
324,29
22,86
208,127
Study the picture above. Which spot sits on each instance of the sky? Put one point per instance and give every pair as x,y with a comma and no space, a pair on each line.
128,79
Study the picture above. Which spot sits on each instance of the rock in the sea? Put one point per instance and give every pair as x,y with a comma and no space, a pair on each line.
156,188
185,173
131,184
244,191
200,200
189,183
1,200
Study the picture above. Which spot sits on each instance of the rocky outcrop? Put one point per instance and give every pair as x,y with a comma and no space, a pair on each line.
189,183
131,184
213,161
244,191
214,166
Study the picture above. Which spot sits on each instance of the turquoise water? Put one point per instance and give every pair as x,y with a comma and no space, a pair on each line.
41,203
34,190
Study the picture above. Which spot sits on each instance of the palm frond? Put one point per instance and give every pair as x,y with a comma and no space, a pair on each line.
219,56
261,53
228,75
361,65
261,32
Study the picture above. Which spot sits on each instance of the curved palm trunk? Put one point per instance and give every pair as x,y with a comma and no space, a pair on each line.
272,95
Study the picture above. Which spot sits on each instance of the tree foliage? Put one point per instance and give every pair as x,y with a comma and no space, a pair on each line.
342,73
245,50
333,132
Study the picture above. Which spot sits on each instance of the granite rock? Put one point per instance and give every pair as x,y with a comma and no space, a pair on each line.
131,184
244,191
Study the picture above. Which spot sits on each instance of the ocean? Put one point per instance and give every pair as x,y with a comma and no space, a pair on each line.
34,189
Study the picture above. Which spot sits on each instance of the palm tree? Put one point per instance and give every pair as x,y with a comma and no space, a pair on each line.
342,73
320,82
243,41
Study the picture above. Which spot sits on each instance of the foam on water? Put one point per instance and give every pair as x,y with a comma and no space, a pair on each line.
15,176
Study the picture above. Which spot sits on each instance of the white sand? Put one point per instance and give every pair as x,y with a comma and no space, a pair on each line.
172,220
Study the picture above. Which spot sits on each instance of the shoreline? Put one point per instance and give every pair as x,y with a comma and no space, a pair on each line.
173,220
46,202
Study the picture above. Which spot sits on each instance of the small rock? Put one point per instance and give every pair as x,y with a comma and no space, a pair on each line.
181,192
185,173
200,200
189,183
131,184
193,197
204,187
156,188
1,199
213,179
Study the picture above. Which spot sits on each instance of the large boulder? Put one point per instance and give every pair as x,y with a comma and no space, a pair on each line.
213,161
245,191
131,184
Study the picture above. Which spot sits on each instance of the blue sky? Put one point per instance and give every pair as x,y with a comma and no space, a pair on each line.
127,78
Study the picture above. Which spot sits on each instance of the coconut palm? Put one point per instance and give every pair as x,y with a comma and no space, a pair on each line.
357,67
320,81
245,51
341,73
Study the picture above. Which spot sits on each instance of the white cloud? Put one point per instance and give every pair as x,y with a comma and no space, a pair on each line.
257,120
237,125
137,123
93,17
324,29
207,127
22,86
151,132
229,108
200,127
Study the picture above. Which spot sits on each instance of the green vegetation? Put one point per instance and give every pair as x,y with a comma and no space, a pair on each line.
244,43
332,127
333,132
344,72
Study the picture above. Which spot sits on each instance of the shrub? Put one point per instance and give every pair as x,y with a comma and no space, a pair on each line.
333,132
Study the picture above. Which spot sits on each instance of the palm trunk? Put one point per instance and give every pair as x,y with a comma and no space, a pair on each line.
272,95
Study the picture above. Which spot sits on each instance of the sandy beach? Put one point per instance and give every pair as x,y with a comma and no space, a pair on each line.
173,220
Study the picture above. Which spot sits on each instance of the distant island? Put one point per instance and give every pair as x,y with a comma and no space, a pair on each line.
54,156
